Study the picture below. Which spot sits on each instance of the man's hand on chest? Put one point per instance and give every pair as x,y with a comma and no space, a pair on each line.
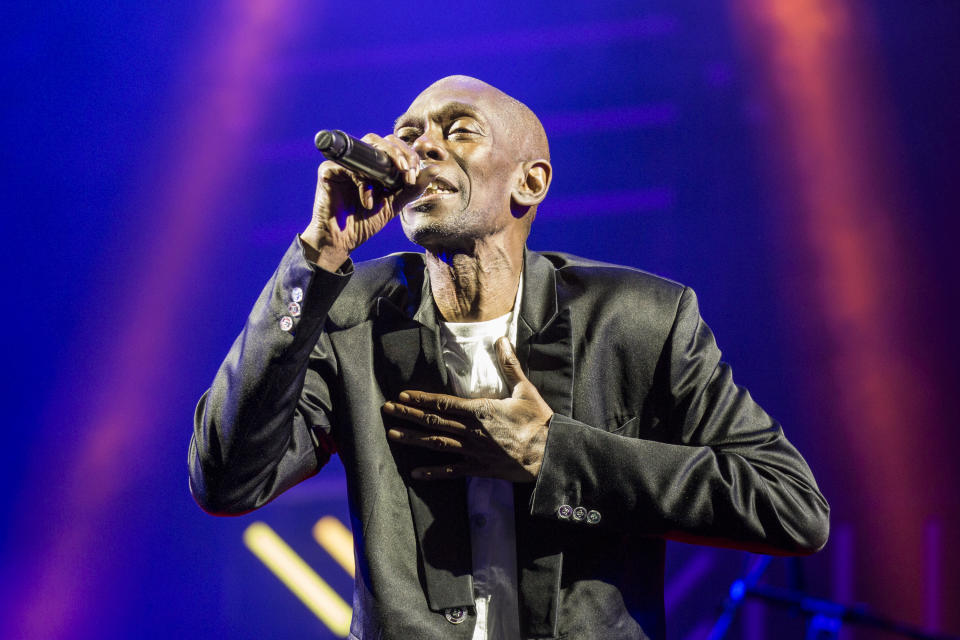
497,438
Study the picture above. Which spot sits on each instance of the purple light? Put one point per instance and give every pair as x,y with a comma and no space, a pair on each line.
686,579
489,44
226,100
614,119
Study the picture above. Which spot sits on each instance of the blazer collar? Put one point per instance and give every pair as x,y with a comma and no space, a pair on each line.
539,305
537,309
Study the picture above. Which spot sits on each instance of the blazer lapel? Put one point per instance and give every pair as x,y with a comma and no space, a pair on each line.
409,357
545,346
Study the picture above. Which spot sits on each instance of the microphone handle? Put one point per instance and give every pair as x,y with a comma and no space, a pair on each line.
360,157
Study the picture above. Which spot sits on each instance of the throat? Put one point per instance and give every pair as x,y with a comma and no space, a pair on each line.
474,287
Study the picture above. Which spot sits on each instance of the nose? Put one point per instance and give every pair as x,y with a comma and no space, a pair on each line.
429,147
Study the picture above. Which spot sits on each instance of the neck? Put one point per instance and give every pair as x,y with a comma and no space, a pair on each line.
476,284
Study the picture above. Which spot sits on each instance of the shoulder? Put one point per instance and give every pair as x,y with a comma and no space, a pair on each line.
398,277
594,282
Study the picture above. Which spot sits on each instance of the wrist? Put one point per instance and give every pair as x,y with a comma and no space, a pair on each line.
322,254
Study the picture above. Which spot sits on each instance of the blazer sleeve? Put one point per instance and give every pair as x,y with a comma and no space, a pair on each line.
264,425
726,476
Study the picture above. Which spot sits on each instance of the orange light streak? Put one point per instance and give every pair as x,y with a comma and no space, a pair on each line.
337,540
839,162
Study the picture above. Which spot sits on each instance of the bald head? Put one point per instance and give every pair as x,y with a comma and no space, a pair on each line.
521,123
487,159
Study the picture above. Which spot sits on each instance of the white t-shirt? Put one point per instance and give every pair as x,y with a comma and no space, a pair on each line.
470,356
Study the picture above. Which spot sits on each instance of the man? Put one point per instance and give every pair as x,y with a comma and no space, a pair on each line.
520,431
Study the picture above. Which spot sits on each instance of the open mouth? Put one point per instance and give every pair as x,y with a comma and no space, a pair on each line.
437,188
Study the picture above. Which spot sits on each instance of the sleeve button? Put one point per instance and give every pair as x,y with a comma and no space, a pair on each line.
455,615
286,323
564,512
579,513
296,294
593,517
293,309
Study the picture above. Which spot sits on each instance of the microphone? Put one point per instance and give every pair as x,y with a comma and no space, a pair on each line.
359,156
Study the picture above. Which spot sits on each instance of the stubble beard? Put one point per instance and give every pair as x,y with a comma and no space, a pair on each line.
456,231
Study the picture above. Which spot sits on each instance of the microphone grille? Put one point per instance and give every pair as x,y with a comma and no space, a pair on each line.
323,140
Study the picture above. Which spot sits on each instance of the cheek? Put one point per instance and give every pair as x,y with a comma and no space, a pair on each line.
488,181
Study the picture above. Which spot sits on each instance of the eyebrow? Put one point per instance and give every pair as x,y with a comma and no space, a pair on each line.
445,112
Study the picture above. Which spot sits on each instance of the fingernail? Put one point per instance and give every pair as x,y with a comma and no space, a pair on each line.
404,396
412,176
404,164
388,406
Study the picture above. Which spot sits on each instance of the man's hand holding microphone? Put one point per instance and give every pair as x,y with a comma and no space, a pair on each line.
352,204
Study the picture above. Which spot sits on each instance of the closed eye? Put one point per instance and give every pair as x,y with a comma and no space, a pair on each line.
408,134
458,130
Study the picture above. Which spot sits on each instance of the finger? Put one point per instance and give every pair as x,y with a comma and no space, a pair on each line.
330,171
431,421
411,166
441,403
395,148
416,438
396,154
365,191
509,363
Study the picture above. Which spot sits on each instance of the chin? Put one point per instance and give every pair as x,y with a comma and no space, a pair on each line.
433,233
437,228
429,226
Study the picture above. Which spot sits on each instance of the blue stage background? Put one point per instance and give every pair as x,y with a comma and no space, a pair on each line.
158,160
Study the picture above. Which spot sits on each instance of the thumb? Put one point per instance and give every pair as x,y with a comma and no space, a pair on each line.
509,364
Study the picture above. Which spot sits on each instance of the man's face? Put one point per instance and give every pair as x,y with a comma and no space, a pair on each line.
460,132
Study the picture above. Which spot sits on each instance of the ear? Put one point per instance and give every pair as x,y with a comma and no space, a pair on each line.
534,181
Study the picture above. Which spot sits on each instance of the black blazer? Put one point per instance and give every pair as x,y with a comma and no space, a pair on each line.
650,434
